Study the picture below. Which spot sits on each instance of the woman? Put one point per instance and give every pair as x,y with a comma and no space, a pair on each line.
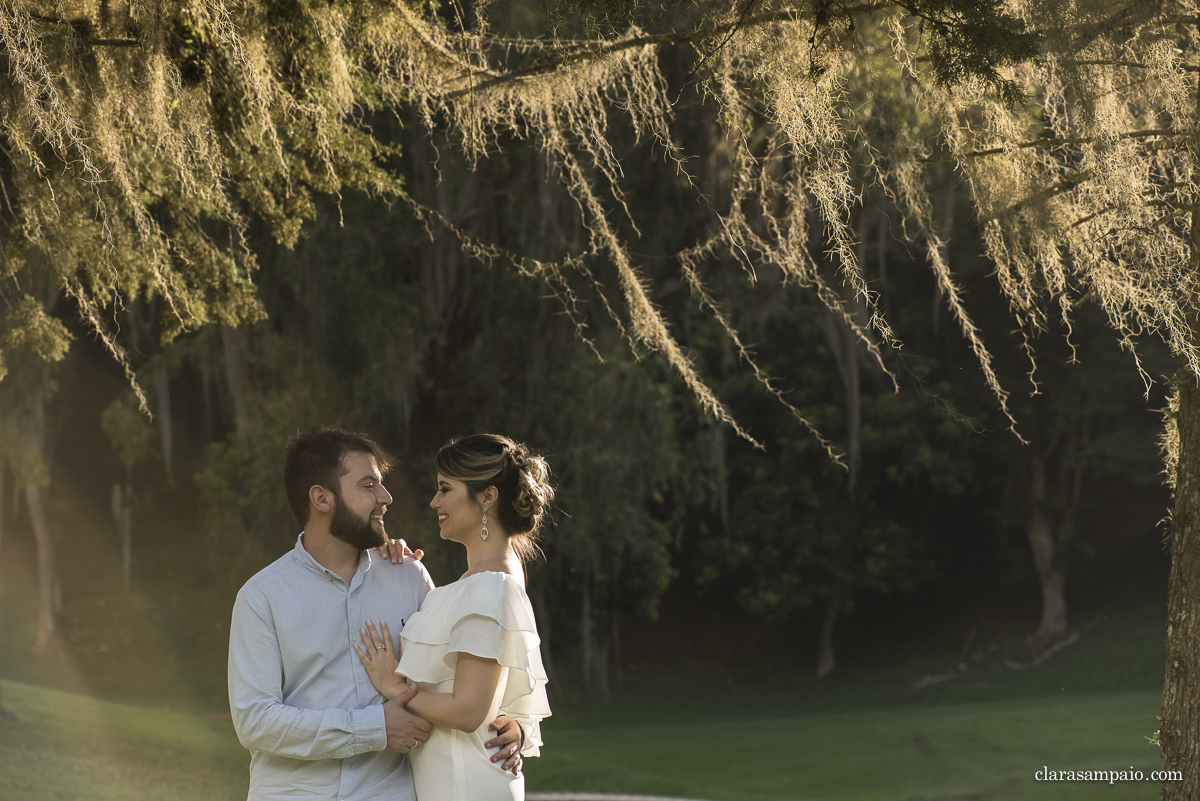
473,646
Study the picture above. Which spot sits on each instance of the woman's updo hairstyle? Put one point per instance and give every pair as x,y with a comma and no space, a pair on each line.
521,478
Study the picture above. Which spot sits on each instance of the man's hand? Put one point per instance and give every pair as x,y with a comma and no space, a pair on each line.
405,731
396,551
508,740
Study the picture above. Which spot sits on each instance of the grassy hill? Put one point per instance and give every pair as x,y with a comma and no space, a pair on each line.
76,748
948,724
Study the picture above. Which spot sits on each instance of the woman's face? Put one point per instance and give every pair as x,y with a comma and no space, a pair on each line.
459,516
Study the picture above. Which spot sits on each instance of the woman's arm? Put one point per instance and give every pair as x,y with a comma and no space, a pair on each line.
475,681
465,709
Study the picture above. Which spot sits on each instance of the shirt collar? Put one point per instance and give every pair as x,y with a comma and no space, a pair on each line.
364,562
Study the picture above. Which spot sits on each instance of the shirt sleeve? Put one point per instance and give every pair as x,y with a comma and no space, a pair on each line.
264,722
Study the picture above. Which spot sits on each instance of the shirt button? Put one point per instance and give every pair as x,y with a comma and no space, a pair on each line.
354,638
360,681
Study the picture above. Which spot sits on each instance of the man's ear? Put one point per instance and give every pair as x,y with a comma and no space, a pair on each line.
320,498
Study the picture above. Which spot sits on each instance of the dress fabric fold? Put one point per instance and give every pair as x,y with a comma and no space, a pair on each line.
487,615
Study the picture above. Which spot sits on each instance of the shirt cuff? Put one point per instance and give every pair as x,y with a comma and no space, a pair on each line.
370,729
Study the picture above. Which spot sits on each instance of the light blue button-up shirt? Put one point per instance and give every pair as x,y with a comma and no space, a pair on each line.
301,701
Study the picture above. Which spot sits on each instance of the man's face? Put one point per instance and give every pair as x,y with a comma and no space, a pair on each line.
359,503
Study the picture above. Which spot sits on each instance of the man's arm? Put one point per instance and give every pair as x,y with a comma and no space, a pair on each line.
265,723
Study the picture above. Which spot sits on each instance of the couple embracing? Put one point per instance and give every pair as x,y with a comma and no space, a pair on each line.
353,678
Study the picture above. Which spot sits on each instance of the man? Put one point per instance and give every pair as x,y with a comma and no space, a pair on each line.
301,700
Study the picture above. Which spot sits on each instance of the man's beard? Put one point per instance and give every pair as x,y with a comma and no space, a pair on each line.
354,530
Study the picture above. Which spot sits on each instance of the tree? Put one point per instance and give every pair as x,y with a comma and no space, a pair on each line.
26,434
138,142
131,438
1089,193
1087,422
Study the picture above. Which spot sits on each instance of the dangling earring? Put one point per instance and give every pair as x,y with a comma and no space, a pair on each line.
484,532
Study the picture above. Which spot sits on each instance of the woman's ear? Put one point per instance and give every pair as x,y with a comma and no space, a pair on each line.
488,497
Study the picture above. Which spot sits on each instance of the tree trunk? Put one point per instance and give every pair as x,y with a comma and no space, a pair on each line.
34,497
236,348
1179,734
586,632
206,392
1051,573
826,660
122,509
162,391
4,713
843,343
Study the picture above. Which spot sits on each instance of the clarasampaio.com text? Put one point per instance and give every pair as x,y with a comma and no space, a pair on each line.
1110,776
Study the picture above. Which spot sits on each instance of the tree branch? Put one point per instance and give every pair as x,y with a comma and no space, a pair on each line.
112,42
1050,141
671,37
81,27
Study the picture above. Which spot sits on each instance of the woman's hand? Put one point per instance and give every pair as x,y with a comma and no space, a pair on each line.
396,551
380,662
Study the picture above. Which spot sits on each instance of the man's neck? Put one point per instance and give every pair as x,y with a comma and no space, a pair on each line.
332,554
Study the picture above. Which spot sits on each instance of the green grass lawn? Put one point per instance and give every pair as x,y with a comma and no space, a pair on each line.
73,747
984,749
674,726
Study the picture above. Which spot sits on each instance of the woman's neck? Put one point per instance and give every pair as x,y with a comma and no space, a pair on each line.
495,553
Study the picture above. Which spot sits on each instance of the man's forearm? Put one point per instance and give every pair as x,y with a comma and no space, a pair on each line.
275,728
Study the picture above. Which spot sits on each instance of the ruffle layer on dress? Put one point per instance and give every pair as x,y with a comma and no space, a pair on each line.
487,615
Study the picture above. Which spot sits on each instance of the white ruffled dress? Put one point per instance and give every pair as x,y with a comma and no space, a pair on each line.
489,615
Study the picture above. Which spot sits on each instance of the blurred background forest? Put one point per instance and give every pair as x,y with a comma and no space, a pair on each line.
154,525
940,521
915,533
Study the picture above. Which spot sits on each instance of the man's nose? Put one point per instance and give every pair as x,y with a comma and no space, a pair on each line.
387,496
